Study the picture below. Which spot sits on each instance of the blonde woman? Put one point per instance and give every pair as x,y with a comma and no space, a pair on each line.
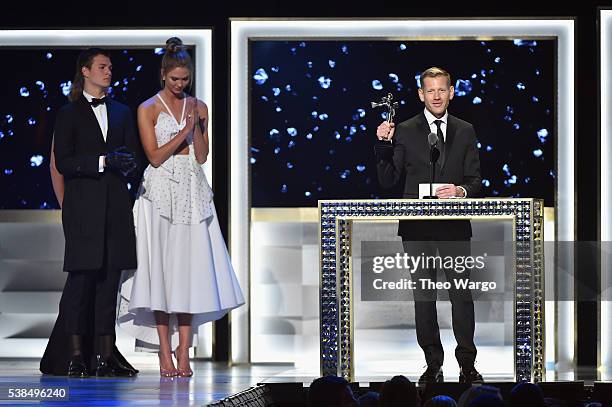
184,276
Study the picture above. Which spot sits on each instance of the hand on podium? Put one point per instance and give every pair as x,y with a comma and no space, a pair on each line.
450,191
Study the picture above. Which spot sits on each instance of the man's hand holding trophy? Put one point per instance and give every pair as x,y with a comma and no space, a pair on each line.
386,129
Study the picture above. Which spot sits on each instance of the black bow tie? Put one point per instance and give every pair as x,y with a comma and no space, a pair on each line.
95,102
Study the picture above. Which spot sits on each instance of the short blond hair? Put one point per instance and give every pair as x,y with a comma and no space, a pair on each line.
434,72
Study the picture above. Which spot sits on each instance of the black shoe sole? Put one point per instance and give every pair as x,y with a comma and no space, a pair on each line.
104,373
117,374
480,381
78,376
439,379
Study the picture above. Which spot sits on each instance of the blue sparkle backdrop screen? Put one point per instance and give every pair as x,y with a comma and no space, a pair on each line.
31,99
312,130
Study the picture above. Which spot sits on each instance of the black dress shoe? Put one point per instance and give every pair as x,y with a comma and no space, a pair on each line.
468,374
103,369
77,367
433,374
117,360
120,369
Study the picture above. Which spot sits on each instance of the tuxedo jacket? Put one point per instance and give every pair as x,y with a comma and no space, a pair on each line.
96,204
410,165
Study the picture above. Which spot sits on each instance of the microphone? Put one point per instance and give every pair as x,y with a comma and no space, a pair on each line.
434,154
432,138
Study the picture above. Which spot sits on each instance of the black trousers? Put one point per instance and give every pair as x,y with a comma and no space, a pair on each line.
87,307
86,291
462,305
95,290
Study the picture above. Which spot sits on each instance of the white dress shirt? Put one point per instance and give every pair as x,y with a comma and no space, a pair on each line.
434,129
102,117
432,125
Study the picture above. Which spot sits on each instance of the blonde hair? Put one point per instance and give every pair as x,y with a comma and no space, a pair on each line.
434,72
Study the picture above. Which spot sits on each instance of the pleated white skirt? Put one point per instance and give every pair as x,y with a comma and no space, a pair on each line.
182,268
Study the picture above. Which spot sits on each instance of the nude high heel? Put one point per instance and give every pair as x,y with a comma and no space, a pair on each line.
183,372
166,372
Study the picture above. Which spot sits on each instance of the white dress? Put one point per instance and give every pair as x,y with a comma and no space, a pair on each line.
183,263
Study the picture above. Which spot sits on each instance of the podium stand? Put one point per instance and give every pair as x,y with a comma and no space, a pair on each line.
335,297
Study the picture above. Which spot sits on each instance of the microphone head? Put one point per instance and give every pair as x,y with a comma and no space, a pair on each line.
432,138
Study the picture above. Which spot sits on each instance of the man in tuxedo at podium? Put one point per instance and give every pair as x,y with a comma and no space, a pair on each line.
96,150
403,157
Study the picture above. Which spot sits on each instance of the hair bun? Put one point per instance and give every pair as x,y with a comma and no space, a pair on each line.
174,44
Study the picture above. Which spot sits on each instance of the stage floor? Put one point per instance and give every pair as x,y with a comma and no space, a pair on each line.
211,381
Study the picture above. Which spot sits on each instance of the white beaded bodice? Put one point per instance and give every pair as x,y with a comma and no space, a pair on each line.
178,187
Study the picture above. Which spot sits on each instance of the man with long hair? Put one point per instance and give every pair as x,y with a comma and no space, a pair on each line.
95,149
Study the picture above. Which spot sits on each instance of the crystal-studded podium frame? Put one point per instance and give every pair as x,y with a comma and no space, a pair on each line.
335,298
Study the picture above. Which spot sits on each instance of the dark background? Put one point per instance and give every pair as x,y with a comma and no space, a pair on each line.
312,128
31,102
29,106
116,14
320,92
